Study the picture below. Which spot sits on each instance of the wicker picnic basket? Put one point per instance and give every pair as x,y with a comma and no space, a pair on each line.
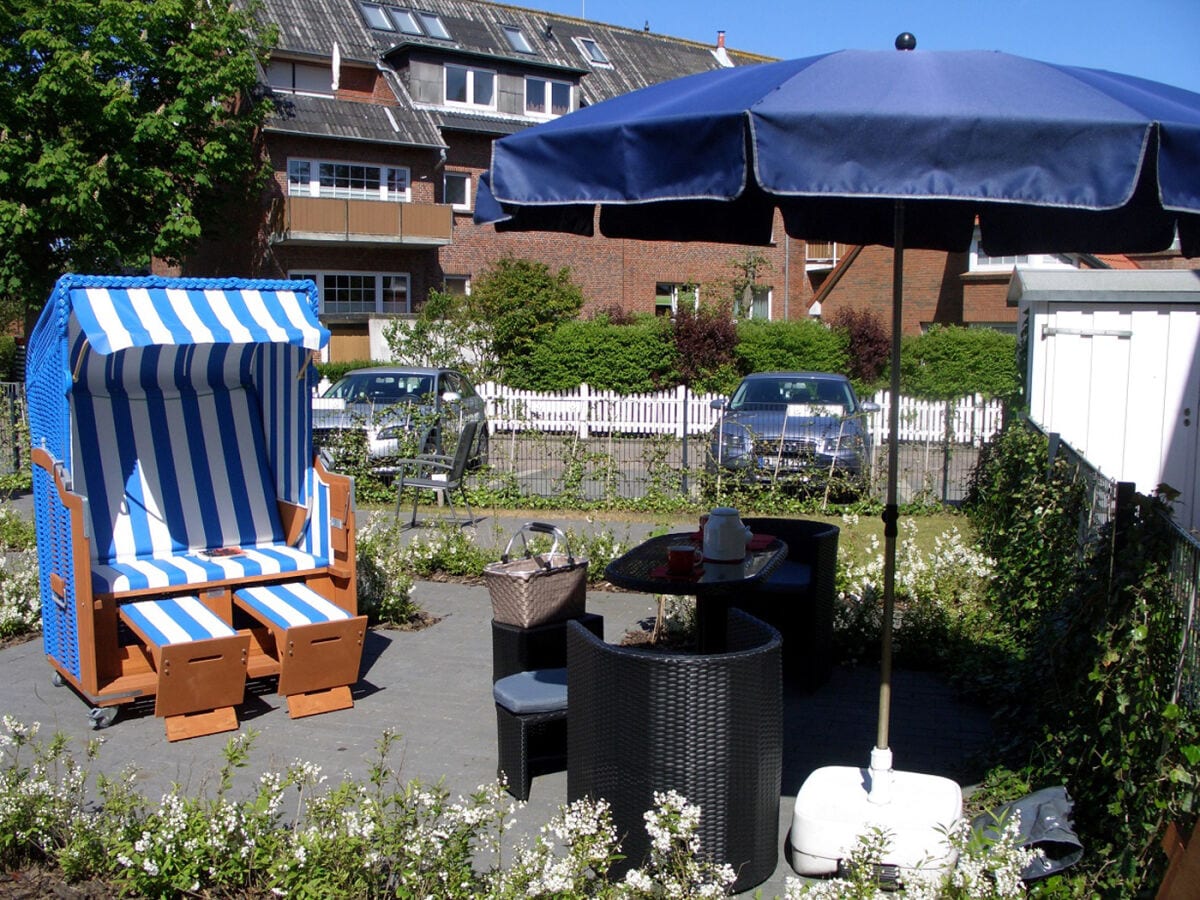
538,588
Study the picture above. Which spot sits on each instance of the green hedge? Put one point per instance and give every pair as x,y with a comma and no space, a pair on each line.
335,370
949,361
629,359
799,346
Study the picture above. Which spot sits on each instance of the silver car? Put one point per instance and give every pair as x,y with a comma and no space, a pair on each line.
793,427
399,410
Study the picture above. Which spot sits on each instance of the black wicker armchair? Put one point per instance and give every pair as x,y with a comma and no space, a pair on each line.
798,597
707,726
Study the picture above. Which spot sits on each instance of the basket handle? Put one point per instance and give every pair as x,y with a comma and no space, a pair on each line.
540,528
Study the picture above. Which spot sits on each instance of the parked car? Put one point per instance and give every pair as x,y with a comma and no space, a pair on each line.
794,427
398,410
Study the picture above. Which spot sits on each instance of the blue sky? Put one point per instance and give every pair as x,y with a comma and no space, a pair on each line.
1156,39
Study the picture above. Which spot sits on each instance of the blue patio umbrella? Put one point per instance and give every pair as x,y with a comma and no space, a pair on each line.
870,147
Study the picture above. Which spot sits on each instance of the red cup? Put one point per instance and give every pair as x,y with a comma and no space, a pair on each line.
681,559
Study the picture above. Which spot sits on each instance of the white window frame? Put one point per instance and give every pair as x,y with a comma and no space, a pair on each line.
677,288
760,296
377,278
981,262
548,85
465,279
471,71
433,25
465,206
312,187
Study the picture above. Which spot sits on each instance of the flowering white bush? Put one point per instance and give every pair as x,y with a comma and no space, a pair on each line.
298,835
932,590
20,593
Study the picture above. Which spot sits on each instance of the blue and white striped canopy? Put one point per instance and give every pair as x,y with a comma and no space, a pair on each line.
123,315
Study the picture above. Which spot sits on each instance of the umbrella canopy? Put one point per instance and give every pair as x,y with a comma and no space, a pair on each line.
1048,157
870,147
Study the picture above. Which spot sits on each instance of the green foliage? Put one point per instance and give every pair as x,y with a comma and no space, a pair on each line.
948,362
1026,516
128,128
385,582
704,345
1095,635
628,359
298,835
334,371
8,357
798,346
521,302
451,330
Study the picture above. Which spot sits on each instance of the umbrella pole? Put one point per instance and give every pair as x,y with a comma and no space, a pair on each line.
881,757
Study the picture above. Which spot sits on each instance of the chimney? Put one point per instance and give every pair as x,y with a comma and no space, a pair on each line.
723,59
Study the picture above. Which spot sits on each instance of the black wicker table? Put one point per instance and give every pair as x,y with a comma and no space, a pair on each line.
714,585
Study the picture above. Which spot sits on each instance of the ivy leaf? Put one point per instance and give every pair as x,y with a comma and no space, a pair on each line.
1191,752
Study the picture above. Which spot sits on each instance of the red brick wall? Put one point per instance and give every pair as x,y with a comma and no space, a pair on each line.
933,289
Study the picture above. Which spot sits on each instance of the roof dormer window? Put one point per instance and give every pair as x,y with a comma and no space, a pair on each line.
517,39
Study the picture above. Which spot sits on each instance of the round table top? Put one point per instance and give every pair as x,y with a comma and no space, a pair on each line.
644,567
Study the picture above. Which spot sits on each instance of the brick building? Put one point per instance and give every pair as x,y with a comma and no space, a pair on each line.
385,117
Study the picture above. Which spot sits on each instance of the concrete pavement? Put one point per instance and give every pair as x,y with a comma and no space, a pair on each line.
433,687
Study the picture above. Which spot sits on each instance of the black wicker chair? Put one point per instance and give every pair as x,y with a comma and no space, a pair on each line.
707,726
798,597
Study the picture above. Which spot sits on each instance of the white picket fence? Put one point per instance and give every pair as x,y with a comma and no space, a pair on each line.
585,411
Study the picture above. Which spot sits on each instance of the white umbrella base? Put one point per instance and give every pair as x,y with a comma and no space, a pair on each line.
833,809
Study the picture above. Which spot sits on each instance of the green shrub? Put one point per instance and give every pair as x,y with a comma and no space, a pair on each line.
335,370
948,362
628,359
798,346
1095,636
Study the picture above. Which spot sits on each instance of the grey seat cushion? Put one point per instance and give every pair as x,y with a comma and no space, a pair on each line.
537,691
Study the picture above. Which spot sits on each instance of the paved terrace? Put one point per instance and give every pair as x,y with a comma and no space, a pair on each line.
433,687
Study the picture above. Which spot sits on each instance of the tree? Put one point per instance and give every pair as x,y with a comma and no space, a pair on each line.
124,124
522,301
448,331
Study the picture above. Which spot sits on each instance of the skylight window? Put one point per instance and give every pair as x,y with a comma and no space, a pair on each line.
433,25
517,39
405,20
592,51
376,17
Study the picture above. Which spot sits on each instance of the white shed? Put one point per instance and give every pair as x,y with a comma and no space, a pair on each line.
1114,367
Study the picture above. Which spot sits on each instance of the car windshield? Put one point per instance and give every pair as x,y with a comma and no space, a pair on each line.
381,387
766,393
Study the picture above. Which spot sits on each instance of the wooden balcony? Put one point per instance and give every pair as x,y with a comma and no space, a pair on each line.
320,220
821,254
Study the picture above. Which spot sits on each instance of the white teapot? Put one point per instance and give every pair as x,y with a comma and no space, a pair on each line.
725,537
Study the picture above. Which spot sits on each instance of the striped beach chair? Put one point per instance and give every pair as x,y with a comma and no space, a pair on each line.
172,432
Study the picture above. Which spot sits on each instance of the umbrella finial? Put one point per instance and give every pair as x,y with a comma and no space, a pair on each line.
906,40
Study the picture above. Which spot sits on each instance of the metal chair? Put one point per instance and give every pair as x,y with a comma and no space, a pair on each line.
436,472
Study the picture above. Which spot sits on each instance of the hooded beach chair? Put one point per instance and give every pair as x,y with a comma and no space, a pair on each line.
174,468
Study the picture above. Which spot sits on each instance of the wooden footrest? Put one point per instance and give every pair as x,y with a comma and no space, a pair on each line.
200,663
318,644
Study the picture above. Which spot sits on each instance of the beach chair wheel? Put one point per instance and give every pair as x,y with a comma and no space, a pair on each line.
57,680
102,716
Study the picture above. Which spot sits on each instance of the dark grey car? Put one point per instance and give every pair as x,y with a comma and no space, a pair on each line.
792,426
